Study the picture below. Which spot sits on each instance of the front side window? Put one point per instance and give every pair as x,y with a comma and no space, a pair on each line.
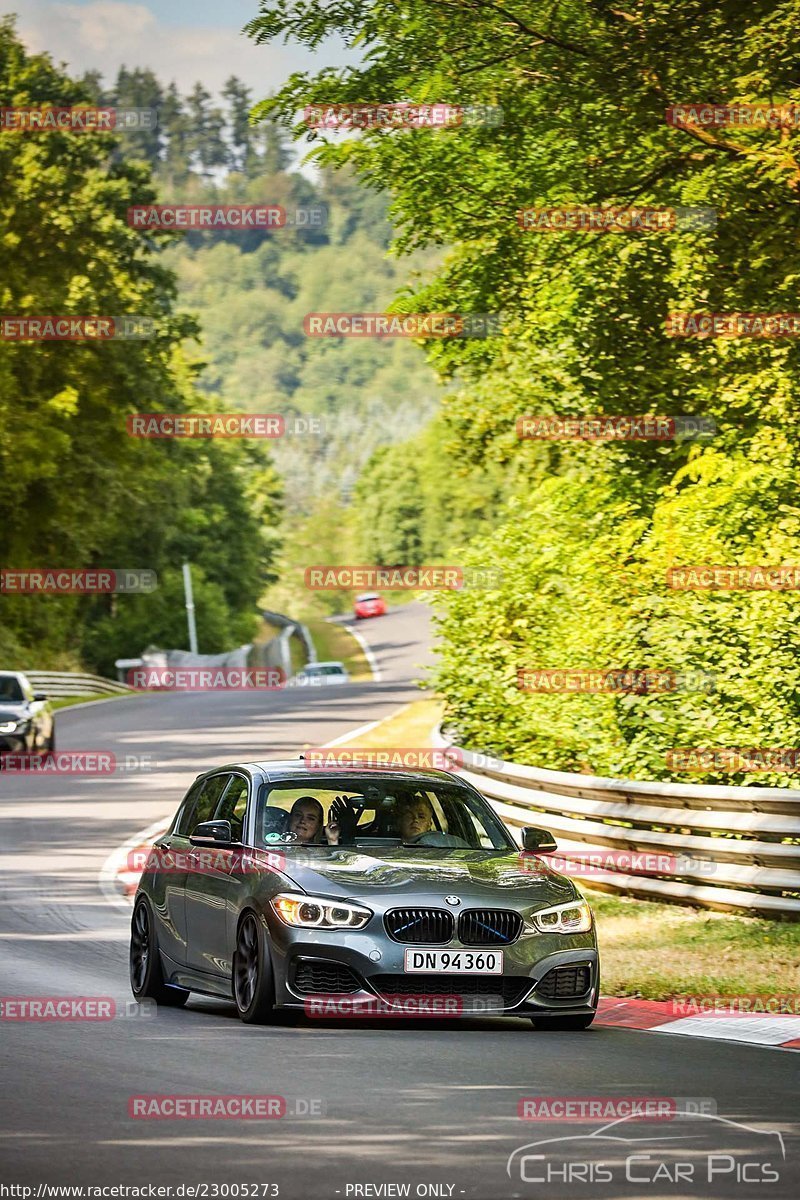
183,825
209,798
233,805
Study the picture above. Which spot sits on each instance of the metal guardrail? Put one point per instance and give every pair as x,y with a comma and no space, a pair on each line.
290,628
59,684
718,847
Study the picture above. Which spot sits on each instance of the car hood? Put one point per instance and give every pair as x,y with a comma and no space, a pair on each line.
424,871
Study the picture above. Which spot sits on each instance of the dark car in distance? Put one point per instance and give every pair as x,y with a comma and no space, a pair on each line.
27,725
279,882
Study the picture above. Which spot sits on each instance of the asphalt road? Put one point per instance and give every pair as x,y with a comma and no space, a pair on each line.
429,1104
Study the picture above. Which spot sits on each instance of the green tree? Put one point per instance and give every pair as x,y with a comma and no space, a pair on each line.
584,91
175,122
75,490
205,140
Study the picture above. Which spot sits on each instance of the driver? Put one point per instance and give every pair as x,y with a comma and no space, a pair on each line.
414,817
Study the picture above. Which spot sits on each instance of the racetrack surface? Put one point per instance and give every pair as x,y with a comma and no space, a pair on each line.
420,1102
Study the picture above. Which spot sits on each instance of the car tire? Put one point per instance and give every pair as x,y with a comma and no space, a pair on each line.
564,1023
147,980
253,980
50,744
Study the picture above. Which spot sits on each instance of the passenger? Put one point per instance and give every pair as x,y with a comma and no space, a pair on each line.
306,820
342,822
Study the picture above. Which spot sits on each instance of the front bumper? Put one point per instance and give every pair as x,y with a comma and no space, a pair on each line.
372,965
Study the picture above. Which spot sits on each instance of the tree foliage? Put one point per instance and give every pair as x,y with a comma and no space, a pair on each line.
75,490
588,530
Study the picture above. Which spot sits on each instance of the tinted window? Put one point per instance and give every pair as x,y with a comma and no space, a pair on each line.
209,799
183,821
10,688
232,806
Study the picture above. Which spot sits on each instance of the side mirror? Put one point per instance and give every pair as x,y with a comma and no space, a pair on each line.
539,840
40,696
212,833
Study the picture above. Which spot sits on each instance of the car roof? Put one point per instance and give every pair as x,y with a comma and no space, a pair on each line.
276,770
330,662
368,596
14,675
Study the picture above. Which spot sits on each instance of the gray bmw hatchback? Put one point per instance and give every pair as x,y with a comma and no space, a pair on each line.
287,886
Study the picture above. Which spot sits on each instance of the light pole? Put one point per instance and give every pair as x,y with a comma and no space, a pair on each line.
187,589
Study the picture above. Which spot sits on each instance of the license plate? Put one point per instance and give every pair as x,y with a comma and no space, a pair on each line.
454,962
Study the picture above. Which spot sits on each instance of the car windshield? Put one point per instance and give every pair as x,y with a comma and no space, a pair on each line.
367,596
326,669
10,688
378,811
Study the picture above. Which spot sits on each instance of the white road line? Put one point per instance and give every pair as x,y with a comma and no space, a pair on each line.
369,654
352,733
111,868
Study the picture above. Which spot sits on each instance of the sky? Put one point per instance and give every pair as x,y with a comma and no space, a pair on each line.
184,40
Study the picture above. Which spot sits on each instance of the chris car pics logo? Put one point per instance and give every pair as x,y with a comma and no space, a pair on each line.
704,1154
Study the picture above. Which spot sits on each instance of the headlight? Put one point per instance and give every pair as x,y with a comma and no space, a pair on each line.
13,726
575,917
315,912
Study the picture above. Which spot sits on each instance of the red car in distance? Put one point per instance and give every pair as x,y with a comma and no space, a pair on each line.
369,604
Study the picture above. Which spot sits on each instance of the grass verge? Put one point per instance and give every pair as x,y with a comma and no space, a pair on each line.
661,950
336,642
410,727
